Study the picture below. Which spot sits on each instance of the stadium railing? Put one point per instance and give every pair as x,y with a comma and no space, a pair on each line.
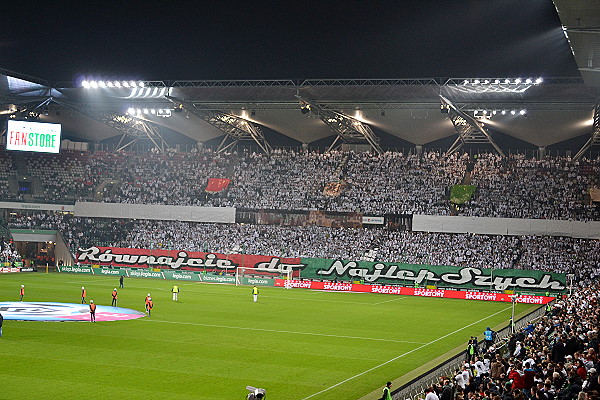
415,388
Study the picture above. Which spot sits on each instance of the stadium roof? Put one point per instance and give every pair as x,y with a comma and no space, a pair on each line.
557,108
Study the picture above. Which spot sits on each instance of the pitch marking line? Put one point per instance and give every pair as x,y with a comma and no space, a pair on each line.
278,331
402,355
387,301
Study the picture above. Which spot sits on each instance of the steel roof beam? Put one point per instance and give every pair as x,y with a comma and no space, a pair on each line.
131,128
348,129
468,128
235,128
595,137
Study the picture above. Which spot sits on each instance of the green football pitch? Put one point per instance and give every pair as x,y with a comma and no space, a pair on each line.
296,343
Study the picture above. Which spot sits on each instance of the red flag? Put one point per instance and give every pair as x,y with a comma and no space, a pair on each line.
216,185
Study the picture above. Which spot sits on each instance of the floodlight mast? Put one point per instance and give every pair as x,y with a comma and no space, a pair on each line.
468,128
347,128
235,128
595,138
133,129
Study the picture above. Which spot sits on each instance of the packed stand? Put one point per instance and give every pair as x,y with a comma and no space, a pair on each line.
518,187
554,358
558,254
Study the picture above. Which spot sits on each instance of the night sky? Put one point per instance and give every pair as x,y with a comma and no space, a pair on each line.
61,41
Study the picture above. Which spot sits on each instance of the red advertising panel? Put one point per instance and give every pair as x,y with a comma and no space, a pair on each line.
444,293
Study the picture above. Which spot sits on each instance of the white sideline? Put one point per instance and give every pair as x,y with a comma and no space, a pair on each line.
401,355
278,331
387,301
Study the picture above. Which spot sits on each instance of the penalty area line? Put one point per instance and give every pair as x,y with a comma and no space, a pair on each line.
402,355
280,331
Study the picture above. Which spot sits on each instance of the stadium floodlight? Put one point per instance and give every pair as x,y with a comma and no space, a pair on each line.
507,81
517,81
484,112
538,81
138,111
523,112
486,81
133,84
503,112
153,111
141,84
476,82
528,81
102,84
496,81
131,111
494,112
93,84
109,84
125,84
145,111
117,84
85,84
512,112
466,82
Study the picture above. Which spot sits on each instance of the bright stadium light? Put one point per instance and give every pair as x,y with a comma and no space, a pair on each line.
138,111
538,81
145,111
517,81
476,82
528,81
141,84
507,81
131,111
133,84
117,84
109,84
523,112
512,112
466,82
497,81
503,112
85,84
102,84
153,111
93,84
125,84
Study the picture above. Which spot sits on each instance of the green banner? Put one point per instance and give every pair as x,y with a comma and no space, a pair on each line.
434,275
460,194
192,276
83,269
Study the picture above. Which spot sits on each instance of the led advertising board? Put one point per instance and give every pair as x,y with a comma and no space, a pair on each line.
33,136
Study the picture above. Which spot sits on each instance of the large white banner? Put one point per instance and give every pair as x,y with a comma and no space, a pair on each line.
506,226
13,205
224,215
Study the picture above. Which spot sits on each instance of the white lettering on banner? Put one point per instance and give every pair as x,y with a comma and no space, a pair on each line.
480,296
182,276
429,292
94,255
386,289
463,276
75,269
337,286
276,265
298,284
530,299
258,281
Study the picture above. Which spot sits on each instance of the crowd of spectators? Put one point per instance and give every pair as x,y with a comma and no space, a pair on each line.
389,183
580,257
517,187
554,358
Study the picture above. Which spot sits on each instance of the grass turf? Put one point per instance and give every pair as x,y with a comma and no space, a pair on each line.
213,342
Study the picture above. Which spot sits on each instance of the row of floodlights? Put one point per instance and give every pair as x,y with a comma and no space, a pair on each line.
517,81
490,113
161,112
111,84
